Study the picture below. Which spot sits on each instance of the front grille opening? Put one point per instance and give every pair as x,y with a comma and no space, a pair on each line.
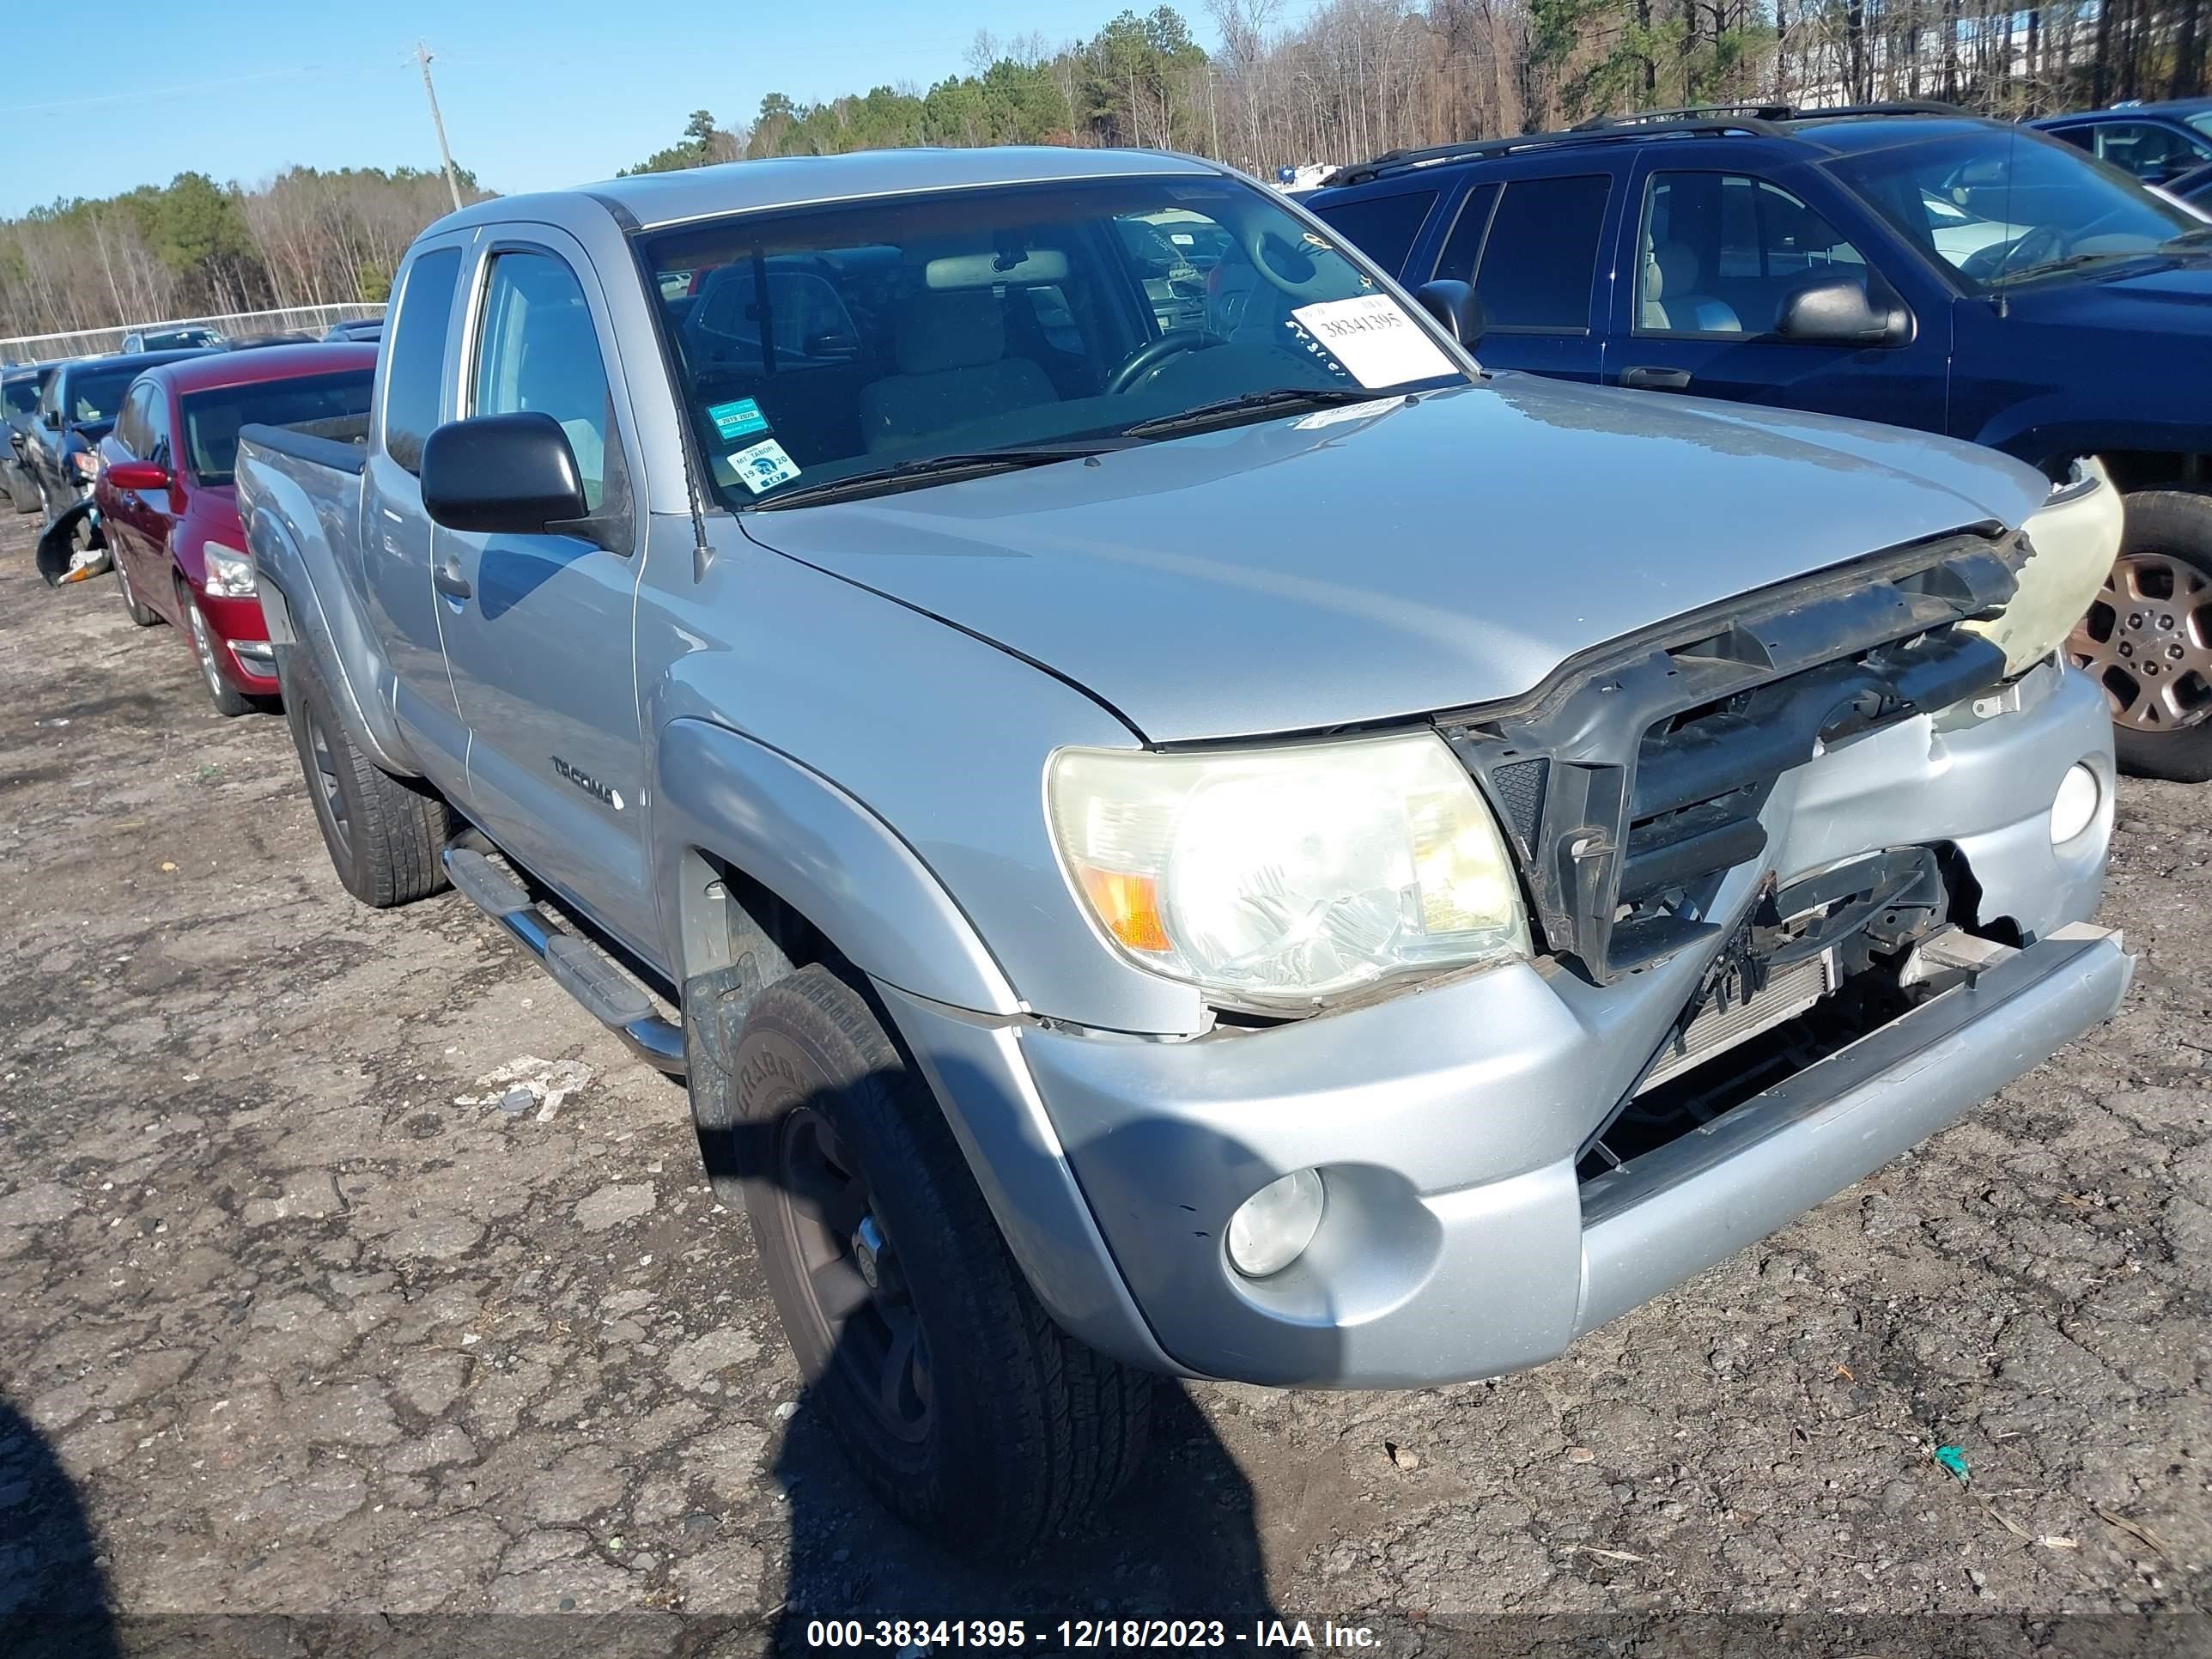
1683,1103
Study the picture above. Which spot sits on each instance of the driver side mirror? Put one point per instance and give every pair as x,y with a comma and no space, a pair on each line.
1454,304
511,475
139,475
1837,310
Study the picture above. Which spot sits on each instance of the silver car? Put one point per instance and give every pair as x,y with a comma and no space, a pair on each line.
1244,847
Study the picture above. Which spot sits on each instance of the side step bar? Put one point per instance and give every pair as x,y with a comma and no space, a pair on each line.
578,966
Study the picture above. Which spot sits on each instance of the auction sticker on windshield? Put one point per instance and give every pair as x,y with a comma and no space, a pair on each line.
1374,340
763,466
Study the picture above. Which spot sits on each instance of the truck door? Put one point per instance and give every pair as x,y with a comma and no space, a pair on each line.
1715,255
539,629
395,532
1531,245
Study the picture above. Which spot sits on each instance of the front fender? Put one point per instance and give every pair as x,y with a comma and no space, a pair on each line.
799,835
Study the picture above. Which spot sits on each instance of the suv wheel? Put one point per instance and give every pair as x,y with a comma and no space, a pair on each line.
2148,637
384,835
963,1408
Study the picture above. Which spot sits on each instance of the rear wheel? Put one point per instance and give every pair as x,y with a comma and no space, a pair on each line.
21,495
383,834
228,700
963,1408
2148,637
144,615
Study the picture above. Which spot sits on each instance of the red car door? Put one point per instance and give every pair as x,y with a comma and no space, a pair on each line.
160,509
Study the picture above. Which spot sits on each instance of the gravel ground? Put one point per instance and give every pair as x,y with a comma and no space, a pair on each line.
298,1317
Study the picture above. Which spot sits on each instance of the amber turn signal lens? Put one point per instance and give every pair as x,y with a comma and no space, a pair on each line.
1129,906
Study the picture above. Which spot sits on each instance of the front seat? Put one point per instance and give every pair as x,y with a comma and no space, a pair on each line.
1671,302
953,367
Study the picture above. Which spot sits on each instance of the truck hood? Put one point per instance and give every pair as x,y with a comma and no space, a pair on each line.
1393,559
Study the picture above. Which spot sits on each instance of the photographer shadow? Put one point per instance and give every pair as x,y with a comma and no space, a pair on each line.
54,1602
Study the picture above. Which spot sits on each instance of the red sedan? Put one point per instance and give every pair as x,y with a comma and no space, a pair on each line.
167,509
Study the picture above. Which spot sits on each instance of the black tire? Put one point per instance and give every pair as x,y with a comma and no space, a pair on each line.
2148,637
1007,1428
21,495
142,615
229,701
383,834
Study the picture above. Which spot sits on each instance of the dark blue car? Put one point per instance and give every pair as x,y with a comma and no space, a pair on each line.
1905,263
2159,143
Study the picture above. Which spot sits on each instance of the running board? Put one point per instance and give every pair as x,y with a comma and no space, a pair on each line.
578,966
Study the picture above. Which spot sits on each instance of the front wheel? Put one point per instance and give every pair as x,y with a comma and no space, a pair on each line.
384,835
963,1408
230,700
2147,638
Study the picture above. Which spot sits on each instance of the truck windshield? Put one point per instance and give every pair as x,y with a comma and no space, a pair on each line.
860,341
2001,207
334,406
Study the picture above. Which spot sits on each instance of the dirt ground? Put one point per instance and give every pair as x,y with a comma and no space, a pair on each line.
298,1316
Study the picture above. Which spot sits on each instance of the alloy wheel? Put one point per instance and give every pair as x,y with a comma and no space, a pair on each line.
853,1281
326,780
2148,640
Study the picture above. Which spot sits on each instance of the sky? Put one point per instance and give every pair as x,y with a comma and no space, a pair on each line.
536,93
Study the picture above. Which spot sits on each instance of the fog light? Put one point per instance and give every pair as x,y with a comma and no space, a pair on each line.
1271,1229
2074,809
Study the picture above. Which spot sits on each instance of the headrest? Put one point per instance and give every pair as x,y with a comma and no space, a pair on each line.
959,329
1674,271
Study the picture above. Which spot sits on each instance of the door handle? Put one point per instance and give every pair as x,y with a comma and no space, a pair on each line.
450,583
1655,380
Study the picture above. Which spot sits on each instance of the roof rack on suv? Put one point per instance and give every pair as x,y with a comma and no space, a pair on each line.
1399,161
1762,120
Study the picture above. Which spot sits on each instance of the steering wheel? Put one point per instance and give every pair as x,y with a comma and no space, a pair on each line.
1264,246
2044,243
1147,357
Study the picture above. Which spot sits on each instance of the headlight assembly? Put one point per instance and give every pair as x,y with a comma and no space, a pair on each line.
229,572
2072,540
1280,877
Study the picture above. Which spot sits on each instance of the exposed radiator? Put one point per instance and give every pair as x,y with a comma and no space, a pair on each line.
1790,991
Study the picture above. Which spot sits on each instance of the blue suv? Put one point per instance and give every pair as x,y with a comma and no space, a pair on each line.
1901,263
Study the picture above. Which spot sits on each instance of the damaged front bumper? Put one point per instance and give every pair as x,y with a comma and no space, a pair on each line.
1465,1233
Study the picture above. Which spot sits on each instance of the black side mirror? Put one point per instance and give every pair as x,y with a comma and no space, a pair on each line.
502,474
1836,311
1453,304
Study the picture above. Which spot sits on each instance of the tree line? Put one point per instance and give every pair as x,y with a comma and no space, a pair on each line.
1342,80
193,247
1350,78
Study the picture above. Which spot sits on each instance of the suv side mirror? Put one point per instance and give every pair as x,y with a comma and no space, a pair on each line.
1836,311
1454,304
502,474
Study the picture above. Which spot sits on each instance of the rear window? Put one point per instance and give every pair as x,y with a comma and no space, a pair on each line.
1540,259
1383,227
333,407
93,395
418,353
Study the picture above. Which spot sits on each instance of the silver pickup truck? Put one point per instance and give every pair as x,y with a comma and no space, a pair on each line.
1231,844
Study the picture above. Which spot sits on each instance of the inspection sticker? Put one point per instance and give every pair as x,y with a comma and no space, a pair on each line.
1374,338
763,466
736,420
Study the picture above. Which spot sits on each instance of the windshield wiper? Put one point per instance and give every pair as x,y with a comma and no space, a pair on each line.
877,479
2049,267
1278,397
2187,241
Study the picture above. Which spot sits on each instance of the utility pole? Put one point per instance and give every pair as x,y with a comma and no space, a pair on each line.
453,180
